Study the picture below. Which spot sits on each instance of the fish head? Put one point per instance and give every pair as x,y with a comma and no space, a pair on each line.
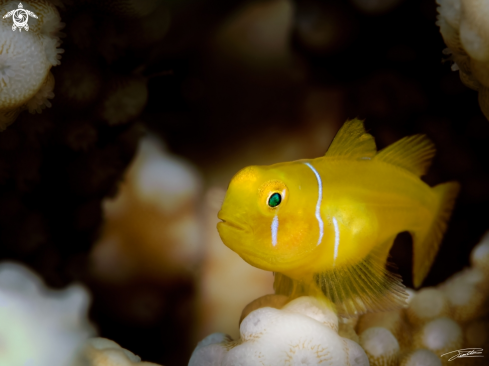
268,216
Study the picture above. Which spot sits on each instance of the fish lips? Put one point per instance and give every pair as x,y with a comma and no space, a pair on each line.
237,238
230,224
233,235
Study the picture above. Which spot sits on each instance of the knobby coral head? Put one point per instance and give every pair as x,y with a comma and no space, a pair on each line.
305,331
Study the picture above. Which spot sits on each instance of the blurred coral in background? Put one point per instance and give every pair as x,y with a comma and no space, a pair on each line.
463,25
155,104
39,326
144,265
104,352
152,228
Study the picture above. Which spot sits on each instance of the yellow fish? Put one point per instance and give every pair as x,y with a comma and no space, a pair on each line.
325,226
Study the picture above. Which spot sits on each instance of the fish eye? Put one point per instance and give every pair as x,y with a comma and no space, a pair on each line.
274,200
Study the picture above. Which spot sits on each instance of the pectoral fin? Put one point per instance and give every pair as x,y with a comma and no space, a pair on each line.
365,286
353,289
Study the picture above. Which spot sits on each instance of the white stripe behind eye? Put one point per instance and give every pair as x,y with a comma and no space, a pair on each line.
318,204
274,230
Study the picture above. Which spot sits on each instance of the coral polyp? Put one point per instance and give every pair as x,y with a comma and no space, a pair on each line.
26,58
305,331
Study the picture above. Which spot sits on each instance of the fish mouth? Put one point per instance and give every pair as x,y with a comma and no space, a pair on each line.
231,224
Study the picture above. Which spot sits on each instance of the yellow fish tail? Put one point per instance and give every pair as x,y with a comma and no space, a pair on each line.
427,242
414,154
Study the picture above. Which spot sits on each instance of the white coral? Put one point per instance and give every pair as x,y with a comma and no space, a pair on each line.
420,357
466,294
152,227
163,181
381,346
104,352
439,336
26,58
465,29
41,99
303,332
479,257
429,303
40,326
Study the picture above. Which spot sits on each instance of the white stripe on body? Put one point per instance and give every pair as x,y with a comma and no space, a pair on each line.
318,204
274,230
336,238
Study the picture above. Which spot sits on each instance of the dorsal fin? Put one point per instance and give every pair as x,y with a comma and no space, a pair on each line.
352,142
413,153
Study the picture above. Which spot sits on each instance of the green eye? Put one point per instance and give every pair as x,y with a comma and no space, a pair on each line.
274,200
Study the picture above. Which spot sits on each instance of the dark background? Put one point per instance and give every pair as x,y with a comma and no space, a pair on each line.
387,65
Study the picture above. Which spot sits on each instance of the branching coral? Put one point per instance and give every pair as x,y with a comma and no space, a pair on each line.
464,27
26,58
38,325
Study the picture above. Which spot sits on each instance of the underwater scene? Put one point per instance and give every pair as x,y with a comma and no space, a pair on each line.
244,183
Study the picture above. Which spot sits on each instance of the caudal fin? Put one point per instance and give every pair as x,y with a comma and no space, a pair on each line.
426,243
